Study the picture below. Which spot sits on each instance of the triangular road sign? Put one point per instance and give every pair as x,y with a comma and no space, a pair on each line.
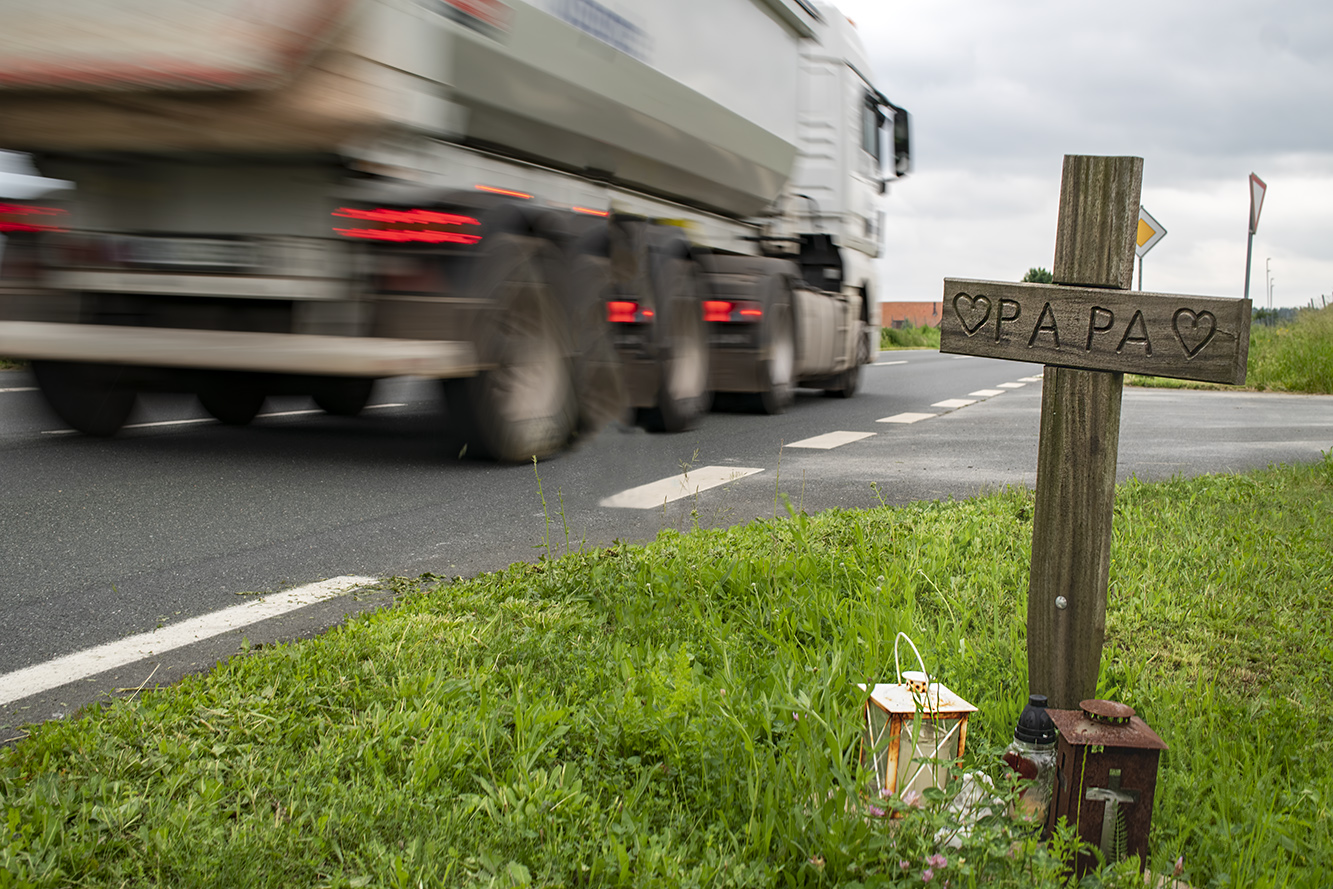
1150,232
1257,189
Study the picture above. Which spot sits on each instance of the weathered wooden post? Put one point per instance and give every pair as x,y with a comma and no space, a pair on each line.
1088,328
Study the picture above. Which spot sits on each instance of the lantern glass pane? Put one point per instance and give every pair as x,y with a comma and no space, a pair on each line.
926,749
874,741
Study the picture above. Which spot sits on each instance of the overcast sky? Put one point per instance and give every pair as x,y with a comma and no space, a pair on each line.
1205,93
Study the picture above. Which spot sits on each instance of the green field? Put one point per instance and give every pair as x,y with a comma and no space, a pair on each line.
909,338
685,713
1295,357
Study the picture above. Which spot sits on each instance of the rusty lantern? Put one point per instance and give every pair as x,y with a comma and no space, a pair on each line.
913,731
1106,773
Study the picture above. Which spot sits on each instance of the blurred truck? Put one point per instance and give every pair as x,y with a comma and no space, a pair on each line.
568,211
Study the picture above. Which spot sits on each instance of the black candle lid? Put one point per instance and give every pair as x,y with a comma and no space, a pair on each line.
1034,723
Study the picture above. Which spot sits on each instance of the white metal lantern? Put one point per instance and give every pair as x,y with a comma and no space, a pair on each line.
915,729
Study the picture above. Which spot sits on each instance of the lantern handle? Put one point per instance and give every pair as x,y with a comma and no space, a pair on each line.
898,667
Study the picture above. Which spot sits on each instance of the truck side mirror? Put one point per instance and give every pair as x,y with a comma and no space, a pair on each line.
902,142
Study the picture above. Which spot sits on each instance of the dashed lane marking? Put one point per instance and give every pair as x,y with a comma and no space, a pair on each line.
887,363
1012,385
906,417
1036,378
954,402
20,389
687,484
986,393
89,662
830,440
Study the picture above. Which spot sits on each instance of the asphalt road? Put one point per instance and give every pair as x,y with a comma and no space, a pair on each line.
180,516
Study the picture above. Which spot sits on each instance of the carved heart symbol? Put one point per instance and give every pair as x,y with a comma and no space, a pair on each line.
1194,330
972,311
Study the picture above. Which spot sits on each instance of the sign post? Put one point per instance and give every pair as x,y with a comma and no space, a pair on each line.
1089,329
1257,190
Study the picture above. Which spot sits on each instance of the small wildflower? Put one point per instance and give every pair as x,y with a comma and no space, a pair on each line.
938,861
796,716
905,865
818,862
913,798
876,811
927,875
1180,867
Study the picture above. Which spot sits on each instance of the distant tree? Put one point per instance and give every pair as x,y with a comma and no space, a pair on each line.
1038,276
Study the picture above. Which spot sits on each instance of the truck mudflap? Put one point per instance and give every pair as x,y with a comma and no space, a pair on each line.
233,350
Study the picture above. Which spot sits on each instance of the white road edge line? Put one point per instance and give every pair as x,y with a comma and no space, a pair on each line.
20,389
887,363
197,420
89,662
830,440
190,422
309,410
687,484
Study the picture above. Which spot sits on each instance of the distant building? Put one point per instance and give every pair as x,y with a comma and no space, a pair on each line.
910,314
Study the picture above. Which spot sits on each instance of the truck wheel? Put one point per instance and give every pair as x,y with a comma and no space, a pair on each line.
525,405
233,406
850,379
848,382
682,395
778,367
598,380
344,397
85,395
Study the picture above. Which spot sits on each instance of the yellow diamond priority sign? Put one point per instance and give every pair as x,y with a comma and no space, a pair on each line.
1150,232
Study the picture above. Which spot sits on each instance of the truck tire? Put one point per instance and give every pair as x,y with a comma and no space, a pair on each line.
777,367
850,379
86,396
598,380
344,396
682,348
234,406
524,406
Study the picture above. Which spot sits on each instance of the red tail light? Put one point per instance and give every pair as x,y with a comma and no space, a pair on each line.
589,211
621,311
725,310
409,226
22,218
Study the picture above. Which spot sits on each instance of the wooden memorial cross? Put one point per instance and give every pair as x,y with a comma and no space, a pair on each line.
1089,329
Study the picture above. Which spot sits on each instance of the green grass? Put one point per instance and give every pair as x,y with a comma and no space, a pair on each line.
10,364
909,338
685,713
1296,357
